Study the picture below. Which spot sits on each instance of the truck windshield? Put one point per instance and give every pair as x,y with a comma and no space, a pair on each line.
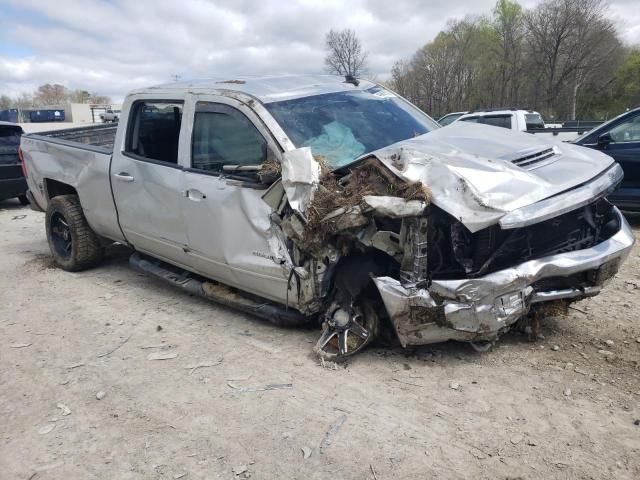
343,126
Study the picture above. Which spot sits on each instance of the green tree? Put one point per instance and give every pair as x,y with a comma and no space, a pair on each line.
627,80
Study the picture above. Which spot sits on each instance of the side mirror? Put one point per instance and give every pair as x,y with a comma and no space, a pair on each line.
604,139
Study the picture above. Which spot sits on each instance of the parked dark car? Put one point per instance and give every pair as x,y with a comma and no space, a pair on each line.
12,181
620,139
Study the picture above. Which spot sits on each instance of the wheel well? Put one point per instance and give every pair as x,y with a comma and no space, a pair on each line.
353,273
55,188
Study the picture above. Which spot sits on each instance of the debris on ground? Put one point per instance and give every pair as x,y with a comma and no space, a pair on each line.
516,439
101,394
327,364
20,345
162,356
454,385
567,392
46,428
263,388
157,345
606,353
240,469
306,452
114,349
64,409
334,428
193,368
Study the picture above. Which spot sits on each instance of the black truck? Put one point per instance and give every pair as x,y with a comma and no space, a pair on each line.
620,139
12,181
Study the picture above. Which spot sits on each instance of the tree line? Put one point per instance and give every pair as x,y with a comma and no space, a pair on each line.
563,58
51,95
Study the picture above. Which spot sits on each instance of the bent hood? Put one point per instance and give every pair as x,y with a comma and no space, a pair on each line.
478,173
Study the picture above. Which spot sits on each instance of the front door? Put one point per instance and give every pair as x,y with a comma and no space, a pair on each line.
148,182
228,225
623,144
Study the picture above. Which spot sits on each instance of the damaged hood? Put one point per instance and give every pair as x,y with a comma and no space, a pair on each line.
479,173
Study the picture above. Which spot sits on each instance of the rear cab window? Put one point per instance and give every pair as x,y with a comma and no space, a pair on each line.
154,131
503,120
533,121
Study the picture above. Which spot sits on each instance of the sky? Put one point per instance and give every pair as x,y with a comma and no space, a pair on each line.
109,47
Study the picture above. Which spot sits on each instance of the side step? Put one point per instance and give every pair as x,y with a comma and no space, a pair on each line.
219,293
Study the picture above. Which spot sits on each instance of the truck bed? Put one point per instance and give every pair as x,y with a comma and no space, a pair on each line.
99,137
78,158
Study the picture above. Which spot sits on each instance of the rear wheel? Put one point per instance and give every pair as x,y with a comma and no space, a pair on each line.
73,244
23,200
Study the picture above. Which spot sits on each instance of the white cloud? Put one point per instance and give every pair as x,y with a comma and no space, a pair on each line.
112,46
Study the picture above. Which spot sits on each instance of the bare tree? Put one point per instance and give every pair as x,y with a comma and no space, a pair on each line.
345,55
79,96
5,102
48,94
102,99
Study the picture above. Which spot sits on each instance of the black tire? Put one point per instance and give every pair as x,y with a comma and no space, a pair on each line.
23,200
74,246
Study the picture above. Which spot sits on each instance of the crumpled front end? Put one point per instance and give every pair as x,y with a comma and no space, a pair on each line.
443,272
481,308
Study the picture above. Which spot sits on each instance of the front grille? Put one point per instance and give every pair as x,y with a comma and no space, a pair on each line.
533,158
475,254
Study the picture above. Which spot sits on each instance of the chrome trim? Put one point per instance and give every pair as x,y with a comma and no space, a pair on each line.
481,308
538,297
565,202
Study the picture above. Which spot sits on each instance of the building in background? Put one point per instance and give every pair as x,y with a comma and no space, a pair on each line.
70,112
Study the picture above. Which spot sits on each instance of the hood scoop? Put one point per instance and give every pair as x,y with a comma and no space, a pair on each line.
531,160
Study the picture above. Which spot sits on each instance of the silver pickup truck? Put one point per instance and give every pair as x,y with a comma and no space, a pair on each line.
314,199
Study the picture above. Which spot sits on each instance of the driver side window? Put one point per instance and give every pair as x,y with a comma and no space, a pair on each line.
222,136
628,131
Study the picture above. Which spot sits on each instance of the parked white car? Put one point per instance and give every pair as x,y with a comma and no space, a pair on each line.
110,116
523,121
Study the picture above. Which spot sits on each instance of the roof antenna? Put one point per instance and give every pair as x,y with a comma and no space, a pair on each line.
351,79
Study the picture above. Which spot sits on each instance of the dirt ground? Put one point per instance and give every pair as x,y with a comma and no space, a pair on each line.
567,406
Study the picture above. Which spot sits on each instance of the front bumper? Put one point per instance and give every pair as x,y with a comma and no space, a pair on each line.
481,308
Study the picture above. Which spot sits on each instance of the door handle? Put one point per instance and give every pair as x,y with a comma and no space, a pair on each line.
194,194
124,176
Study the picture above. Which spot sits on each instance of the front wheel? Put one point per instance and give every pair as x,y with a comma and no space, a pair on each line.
347,329
73,244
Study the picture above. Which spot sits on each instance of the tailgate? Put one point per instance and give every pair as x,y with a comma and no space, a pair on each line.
9,144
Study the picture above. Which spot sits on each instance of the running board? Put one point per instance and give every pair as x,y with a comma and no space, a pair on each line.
219,293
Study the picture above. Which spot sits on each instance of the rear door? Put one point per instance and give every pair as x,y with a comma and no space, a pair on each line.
148,181
228,223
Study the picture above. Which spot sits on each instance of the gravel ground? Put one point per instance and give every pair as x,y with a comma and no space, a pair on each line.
85,393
